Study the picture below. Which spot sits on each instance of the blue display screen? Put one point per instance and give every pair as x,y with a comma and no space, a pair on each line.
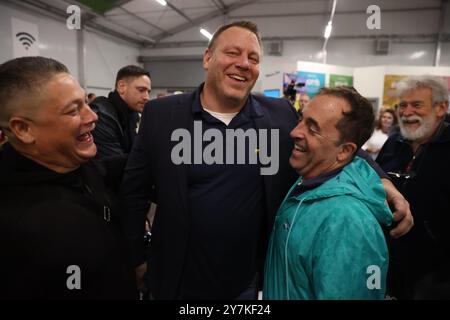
275,93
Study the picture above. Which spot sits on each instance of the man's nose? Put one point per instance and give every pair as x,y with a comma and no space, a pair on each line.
88,116
297,132
243,62
407,111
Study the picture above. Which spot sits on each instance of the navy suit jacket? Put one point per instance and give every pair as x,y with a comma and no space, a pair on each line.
149,164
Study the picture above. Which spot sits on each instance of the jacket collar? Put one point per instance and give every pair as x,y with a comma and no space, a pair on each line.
251,109
313,183
123,110
16,169
339,182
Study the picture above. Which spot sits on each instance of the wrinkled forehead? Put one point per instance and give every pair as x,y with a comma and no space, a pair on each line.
61,90
326,110
58,87
417,94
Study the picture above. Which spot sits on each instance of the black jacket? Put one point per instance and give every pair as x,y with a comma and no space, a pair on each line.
115,129
51,221
150,164
427,188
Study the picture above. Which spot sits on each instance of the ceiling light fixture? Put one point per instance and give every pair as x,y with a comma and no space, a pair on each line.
327,32
328,29
417,55
162,2
206,33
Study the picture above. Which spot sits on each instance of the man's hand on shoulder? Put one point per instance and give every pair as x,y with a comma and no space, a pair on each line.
402,213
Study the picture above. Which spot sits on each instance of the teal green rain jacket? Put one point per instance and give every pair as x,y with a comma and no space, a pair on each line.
327,243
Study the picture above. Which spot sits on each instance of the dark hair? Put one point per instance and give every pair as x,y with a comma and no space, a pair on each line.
90,95
357,124
24,75
392,112
131,71
240,24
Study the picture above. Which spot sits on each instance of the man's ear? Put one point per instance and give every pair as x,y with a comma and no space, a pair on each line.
347,152
121,86
442,108
206,58
21,129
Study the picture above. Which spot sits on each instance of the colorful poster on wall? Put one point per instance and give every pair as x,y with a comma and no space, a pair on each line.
340,80
25,38
391,82
311,82
290,87
288,78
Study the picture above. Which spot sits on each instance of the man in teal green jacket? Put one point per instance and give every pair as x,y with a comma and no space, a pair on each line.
327,240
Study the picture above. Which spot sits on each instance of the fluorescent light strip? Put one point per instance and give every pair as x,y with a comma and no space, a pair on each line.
162,2
328,29
205,33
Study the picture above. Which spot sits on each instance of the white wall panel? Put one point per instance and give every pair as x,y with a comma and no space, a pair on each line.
104,57
55,40
445,54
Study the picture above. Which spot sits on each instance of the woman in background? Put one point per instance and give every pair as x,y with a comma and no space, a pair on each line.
385,122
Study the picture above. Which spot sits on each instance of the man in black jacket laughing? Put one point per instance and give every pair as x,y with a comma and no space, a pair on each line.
59,231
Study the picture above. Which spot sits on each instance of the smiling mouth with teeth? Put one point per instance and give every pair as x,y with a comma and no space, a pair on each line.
238,78
299,148
411,121
86,137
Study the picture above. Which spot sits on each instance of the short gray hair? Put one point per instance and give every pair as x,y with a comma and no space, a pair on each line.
439,92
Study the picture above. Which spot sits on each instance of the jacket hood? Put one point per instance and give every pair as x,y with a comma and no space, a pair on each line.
359,180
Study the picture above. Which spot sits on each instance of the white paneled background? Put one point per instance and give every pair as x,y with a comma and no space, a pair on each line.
104,55
56,41
412,25
104,58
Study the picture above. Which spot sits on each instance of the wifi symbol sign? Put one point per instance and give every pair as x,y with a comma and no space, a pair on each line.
26,39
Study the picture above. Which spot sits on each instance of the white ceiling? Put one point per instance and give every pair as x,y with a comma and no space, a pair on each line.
146,22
